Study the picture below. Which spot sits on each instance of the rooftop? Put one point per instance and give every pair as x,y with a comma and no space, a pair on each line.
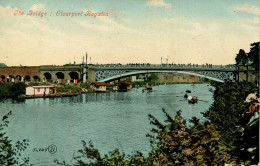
100,83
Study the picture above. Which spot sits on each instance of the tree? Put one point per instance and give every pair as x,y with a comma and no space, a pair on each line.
153,77
17,89
179,145
254,54
228,115
242,58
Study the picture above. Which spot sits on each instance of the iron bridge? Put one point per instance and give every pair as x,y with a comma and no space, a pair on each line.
110,72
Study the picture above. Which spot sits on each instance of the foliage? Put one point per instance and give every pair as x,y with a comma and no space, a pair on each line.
12,90
5,89
228,114
143,83
179,145
17,89
254,54
38,83
9,155
84,85
229,104
152,77
68,88
242,58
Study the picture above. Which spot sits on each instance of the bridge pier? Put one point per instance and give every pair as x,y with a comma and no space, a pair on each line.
91,73
84,74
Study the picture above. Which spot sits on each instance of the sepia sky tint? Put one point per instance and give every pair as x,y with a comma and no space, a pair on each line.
135,31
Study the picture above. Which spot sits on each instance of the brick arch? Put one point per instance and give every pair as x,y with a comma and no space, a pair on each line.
74,75
18,78
47,76
27,78
60,75
36,78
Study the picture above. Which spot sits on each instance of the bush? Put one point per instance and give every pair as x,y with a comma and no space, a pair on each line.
228,114
12,90
63,89
17,89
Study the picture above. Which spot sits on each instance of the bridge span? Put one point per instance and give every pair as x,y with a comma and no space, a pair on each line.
110,72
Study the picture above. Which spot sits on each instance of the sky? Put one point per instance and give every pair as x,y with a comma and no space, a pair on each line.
134,31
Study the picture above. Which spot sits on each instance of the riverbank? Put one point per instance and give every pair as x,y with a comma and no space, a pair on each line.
155,83
17,90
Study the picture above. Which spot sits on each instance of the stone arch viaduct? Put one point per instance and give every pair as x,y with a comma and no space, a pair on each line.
48,73
20,73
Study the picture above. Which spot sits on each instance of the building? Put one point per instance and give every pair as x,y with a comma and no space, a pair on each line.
124,85
40,90
177,78
99,86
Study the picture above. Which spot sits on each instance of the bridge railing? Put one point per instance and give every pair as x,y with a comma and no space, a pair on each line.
183,66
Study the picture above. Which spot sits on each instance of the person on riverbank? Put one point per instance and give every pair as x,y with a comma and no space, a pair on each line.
253,100
252,97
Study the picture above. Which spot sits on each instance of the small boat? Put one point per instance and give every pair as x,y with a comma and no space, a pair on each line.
188,91
148,89
192,100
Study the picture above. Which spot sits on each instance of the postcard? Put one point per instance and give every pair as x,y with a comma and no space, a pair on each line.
130,82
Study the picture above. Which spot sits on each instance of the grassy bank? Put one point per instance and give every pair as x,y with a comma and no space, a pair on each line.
81,87
68,89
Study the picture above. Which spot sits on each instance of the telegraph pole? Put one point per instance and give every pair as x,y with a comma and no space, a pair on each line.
86,57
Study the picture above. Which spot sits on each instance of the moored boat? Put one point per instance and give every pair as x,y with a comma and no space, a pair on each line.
148,89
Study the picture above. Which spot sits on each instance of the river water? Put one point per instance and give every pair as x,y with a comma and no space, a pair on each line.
110,120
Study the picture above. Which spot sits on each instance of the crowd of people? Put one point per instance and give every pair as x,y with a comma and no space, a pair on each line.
190,65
